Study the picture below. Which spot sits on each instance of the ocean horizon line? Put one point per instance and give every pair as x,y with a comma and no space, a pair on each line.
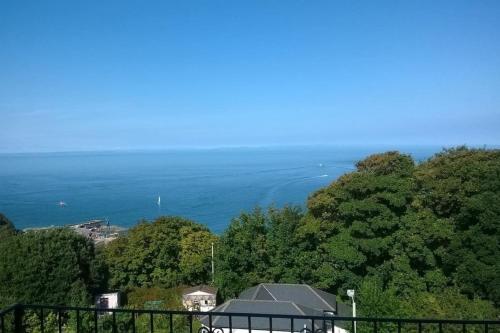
250,147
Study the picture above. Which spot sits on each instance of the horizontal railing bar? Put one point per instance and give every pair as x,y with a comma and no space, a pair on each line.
8,309
261,315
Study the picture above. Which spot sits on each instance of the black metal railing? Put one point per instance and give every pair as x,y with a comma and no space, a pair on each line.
21,318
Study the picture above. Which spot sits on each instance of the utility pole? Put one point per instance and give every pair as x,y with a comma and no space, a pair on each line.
213,269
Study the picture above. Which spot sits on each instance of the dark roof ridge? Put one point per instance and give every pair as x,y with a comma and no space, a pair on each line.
270,293
320,297
298,308
256,291
286,284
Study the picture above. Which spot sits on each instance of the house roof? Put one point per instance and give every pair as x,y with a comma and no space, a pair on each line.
271,307
300,294
202,287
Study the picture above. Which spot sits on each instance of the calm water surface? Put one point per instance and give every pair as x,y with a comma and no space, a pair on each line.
208,186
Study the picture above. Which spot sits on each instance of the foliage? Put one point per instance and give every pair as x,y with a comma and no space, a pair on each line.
449,303
376,301
463,185
405,236
32,321
241,255
167,252
257,247
54,266
359,217
171,298
7,229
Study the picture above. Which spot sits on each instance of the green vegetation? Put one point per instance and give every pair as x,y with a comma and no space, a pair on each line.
51,266
257,247
155,297
6,228
168,252
414,240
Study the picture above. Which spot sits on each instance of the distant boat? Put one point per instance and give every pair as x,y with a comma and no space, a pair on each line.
159,201
320,165
62,204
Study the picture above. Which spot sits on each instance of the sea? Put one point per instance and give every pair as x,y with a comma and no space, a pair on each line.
209,186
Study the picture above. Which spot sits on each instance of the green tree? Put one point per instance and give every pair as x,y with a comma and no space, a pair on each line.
242,257
7,228
463,186
449,303
358,217
377,301
416,230
281,243
195,255
53,266
160,253
259,247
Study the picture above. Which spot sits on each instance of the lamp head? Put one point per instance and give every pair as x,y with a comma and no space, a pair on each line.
350,293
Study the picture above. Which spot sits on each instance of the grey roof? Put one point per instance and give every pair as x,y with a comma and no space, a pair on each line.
270,307
302,294
204,288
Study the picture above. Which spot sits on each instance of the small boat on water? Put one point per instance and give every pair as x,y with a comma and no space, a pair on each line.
62,204
159,201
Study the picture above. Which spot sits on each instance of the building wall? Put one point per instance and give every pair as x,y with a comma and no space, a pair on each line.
113,300
240,330
199,301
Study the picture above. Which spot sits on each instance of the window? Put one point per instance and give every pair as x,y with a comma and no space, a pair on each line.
103,303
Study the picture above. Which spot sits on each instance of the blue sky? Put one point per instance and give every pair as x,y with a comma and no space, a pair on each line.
100,75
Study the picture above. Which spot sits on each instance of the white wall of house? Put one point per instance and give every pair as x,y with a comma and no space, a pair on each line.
240,330
111,299
199,300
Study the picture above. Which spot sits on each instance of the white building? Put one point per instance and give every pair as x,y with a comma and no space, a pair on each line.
108,300
281,299
199,298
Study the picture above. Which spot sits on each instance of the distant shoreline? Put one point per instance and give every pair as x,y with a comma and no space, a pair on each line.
96,230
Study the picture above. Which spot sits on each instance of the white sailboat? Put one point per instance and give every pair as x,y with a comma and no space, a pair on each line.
159,201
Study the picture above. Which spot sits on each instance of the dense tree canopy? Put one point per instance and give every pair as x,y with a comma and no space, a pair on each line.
397,231
463,186
167,252
7,229
257,247
51,266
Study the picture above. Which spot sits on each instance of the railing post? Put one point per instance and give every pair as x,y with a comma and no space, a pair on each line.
171,322
18,318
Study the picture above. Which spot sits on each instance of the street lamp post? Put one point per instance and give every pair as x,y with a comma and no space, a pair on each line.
350,293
